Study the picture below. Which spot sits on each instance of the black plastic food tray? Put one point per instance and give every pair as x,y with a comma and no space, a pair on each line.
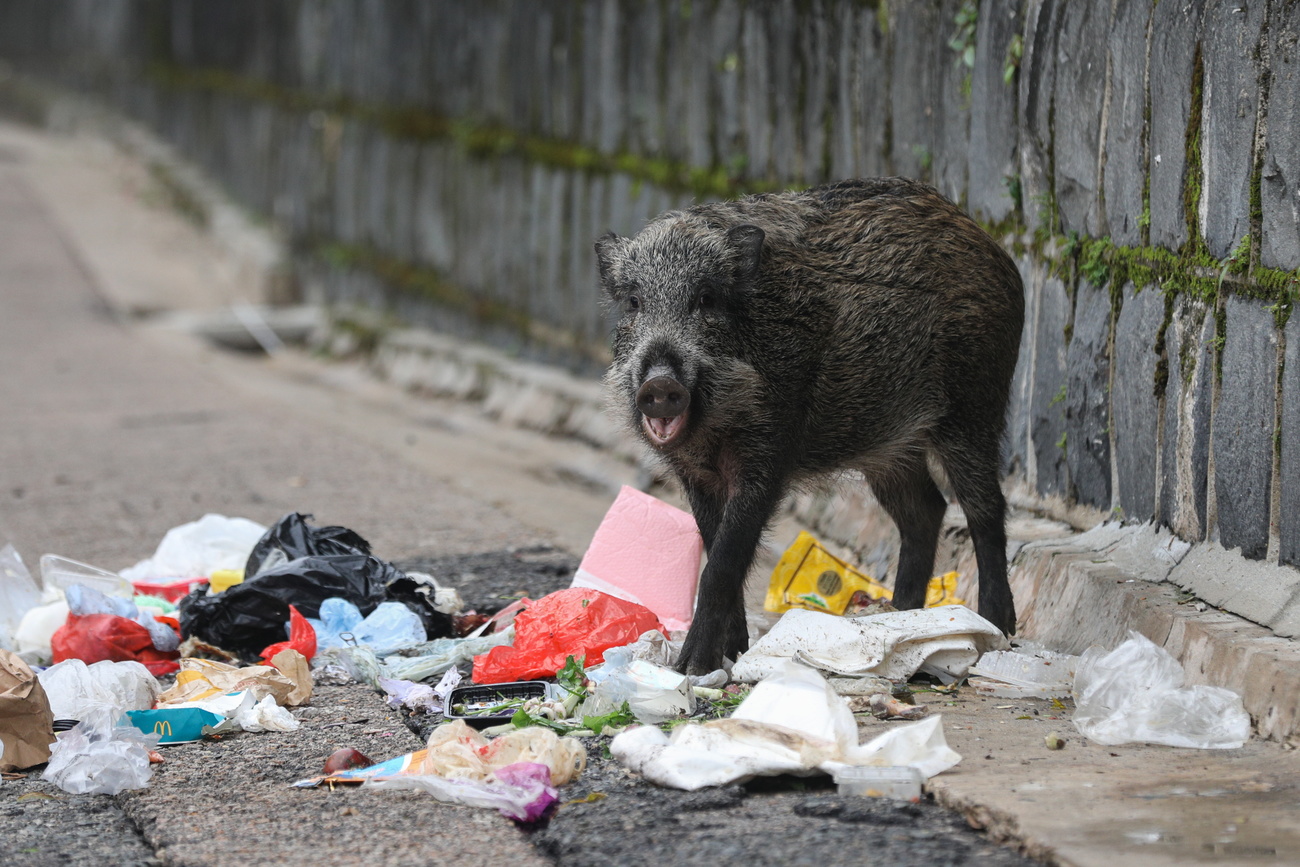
492,693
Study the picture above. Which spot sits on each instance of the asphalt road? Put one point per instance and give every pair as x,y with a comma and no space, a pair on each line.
117,429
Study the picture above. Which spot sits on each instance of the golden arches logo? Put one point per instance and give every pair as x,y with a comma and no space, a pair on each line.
163,727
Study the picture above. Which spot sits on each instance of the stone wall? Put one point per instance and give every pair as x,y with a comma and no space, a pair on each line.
452,162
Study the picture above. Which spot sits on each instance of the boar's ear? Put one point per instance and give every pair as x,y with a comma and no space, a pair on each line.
609,248
747,241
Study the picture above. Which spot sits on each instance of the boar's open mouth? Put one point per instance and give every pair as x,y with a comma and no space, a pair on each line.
663,402
663,431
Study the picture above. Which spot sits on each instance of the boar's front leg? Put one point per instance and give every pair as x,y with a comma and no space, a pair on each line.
732,529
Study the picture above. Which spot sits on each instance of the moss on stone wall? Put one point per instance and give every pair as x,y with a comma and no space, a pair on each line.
482,140
1189,271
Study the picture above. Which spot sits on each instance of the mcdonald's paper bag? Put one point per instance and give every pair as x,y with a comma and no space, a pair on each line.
26,724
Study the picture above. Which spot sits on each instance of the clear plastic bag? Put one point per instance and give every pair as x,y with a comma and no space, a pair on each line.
98,758
653,693
78,691
521,791
1135,694
1024,673
19,593
417,662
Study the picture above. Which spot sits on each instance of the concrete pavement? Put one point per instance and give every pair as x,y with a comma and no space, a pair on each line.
119,428
114,433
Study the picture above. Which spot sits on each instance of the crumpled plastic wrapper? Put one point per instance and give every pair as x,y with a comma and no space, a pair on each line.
515,773
99,758
458,751
76,689
521,791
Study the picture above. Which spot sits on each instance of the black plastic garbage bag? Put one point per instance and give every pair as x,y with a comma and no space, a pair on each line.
248,617
419,598
293,539
322,562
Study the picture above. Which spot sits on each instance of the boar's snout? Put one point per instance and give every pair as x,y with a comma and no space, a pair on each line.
663,402
662,397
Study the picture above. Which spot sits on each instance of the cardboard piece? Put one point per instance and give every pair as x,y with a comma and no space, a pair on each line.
648,552
26,723
810,576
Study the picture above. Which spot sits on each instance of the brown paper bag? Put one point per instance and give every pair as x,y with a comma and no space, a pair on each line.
26,724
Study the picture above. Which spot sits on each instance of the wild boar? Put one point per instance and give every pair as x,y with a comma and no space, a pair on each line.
780,339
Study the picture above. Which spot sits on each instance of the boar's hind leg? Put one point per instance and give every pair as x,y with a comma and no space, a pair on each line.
911,498
972,469
731,534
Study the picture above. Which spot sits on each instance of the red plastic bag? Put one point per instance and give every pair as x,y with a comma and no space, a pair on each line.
302,638
574,622
97,637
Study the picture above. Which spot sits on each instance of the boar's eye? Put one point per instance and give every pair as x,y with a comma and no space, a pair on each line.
633,303
706,303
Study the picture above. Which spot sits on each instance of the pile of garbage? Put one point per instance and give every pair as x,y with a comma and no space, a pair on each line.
240,621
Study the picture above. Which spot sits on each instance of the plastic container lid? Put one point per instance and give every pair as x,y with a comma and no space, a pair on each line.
61,572
901,782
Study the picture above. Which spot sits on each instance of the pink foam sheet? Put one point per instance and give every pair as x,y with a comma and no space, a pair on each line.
646,551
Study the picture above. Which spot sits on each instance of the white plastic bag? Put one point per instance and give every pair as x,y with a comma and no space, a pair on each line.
263,716
244,712
796,725
99,758
799,698
32,640
78,691
1135,694
198,549
19,593
420,696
